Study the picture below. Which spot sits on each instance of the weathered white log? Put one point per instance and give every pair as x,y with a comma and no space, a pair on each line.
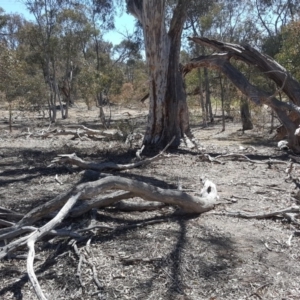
40,232
205,200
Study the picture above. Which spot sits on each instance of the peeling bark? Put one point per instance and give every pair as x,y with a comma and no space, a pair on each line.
168,112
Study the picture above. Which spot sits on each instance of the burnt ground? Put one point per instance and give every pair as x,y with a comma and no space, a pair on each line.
178,257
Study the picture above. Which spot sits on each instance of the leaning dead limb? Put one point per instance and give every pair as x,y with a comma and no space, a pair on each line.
285,81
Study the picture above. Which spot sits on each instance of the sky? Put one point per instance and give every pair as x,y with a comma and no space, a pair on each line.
124,23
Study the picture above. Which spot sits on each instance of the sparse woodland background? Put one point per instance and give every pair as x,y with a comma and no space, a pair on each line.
61,56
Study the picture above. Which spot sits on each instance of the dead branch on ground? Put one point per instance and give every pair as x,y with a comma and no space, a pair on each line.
73,159
241,157
37,234
76,131
289,213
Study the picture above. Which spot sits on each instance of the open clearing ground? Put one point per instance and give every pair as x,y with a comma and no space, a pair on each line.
156,254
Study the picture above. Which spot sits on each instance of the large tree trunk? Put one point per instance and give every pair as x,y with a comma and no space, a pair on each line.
269,67
168,112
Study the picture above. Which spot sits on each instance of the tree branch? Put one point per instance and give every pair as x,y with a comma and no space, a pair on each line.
135,7
263,63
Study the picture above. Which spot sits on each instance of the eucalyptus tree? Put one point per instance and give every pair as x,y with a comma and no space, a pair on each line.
289,52
272,16
162,30
74,34
10,25
43,39
100,14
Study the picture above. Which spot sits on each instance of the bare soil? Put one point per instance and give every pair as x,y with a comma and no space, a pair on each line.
178,257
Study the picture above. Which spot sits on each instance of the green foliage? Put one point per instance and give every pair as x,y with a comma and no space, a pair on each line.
16,83
289,54
11,74
271,44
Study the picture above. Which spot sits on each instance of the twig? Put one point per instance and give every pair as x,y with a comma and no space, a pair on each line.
56,178
256,293
139,152
207,157
30,271
289,170
289,241
96,227
6,223
283,84
38,234
245,215
270,161
81,258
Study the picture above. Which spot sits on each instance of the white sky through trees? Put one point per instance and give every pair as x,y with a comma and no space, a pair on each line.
124,23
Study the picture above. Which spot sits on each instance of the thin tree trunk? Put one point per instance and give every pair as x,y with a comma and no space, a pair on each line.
209,111
57,96
52,106
245,114
201,98
101,111
10,117
222,103
272,122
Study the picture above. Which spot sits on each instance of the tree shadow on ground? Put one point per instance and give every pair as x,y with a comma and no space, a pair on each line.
172,272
